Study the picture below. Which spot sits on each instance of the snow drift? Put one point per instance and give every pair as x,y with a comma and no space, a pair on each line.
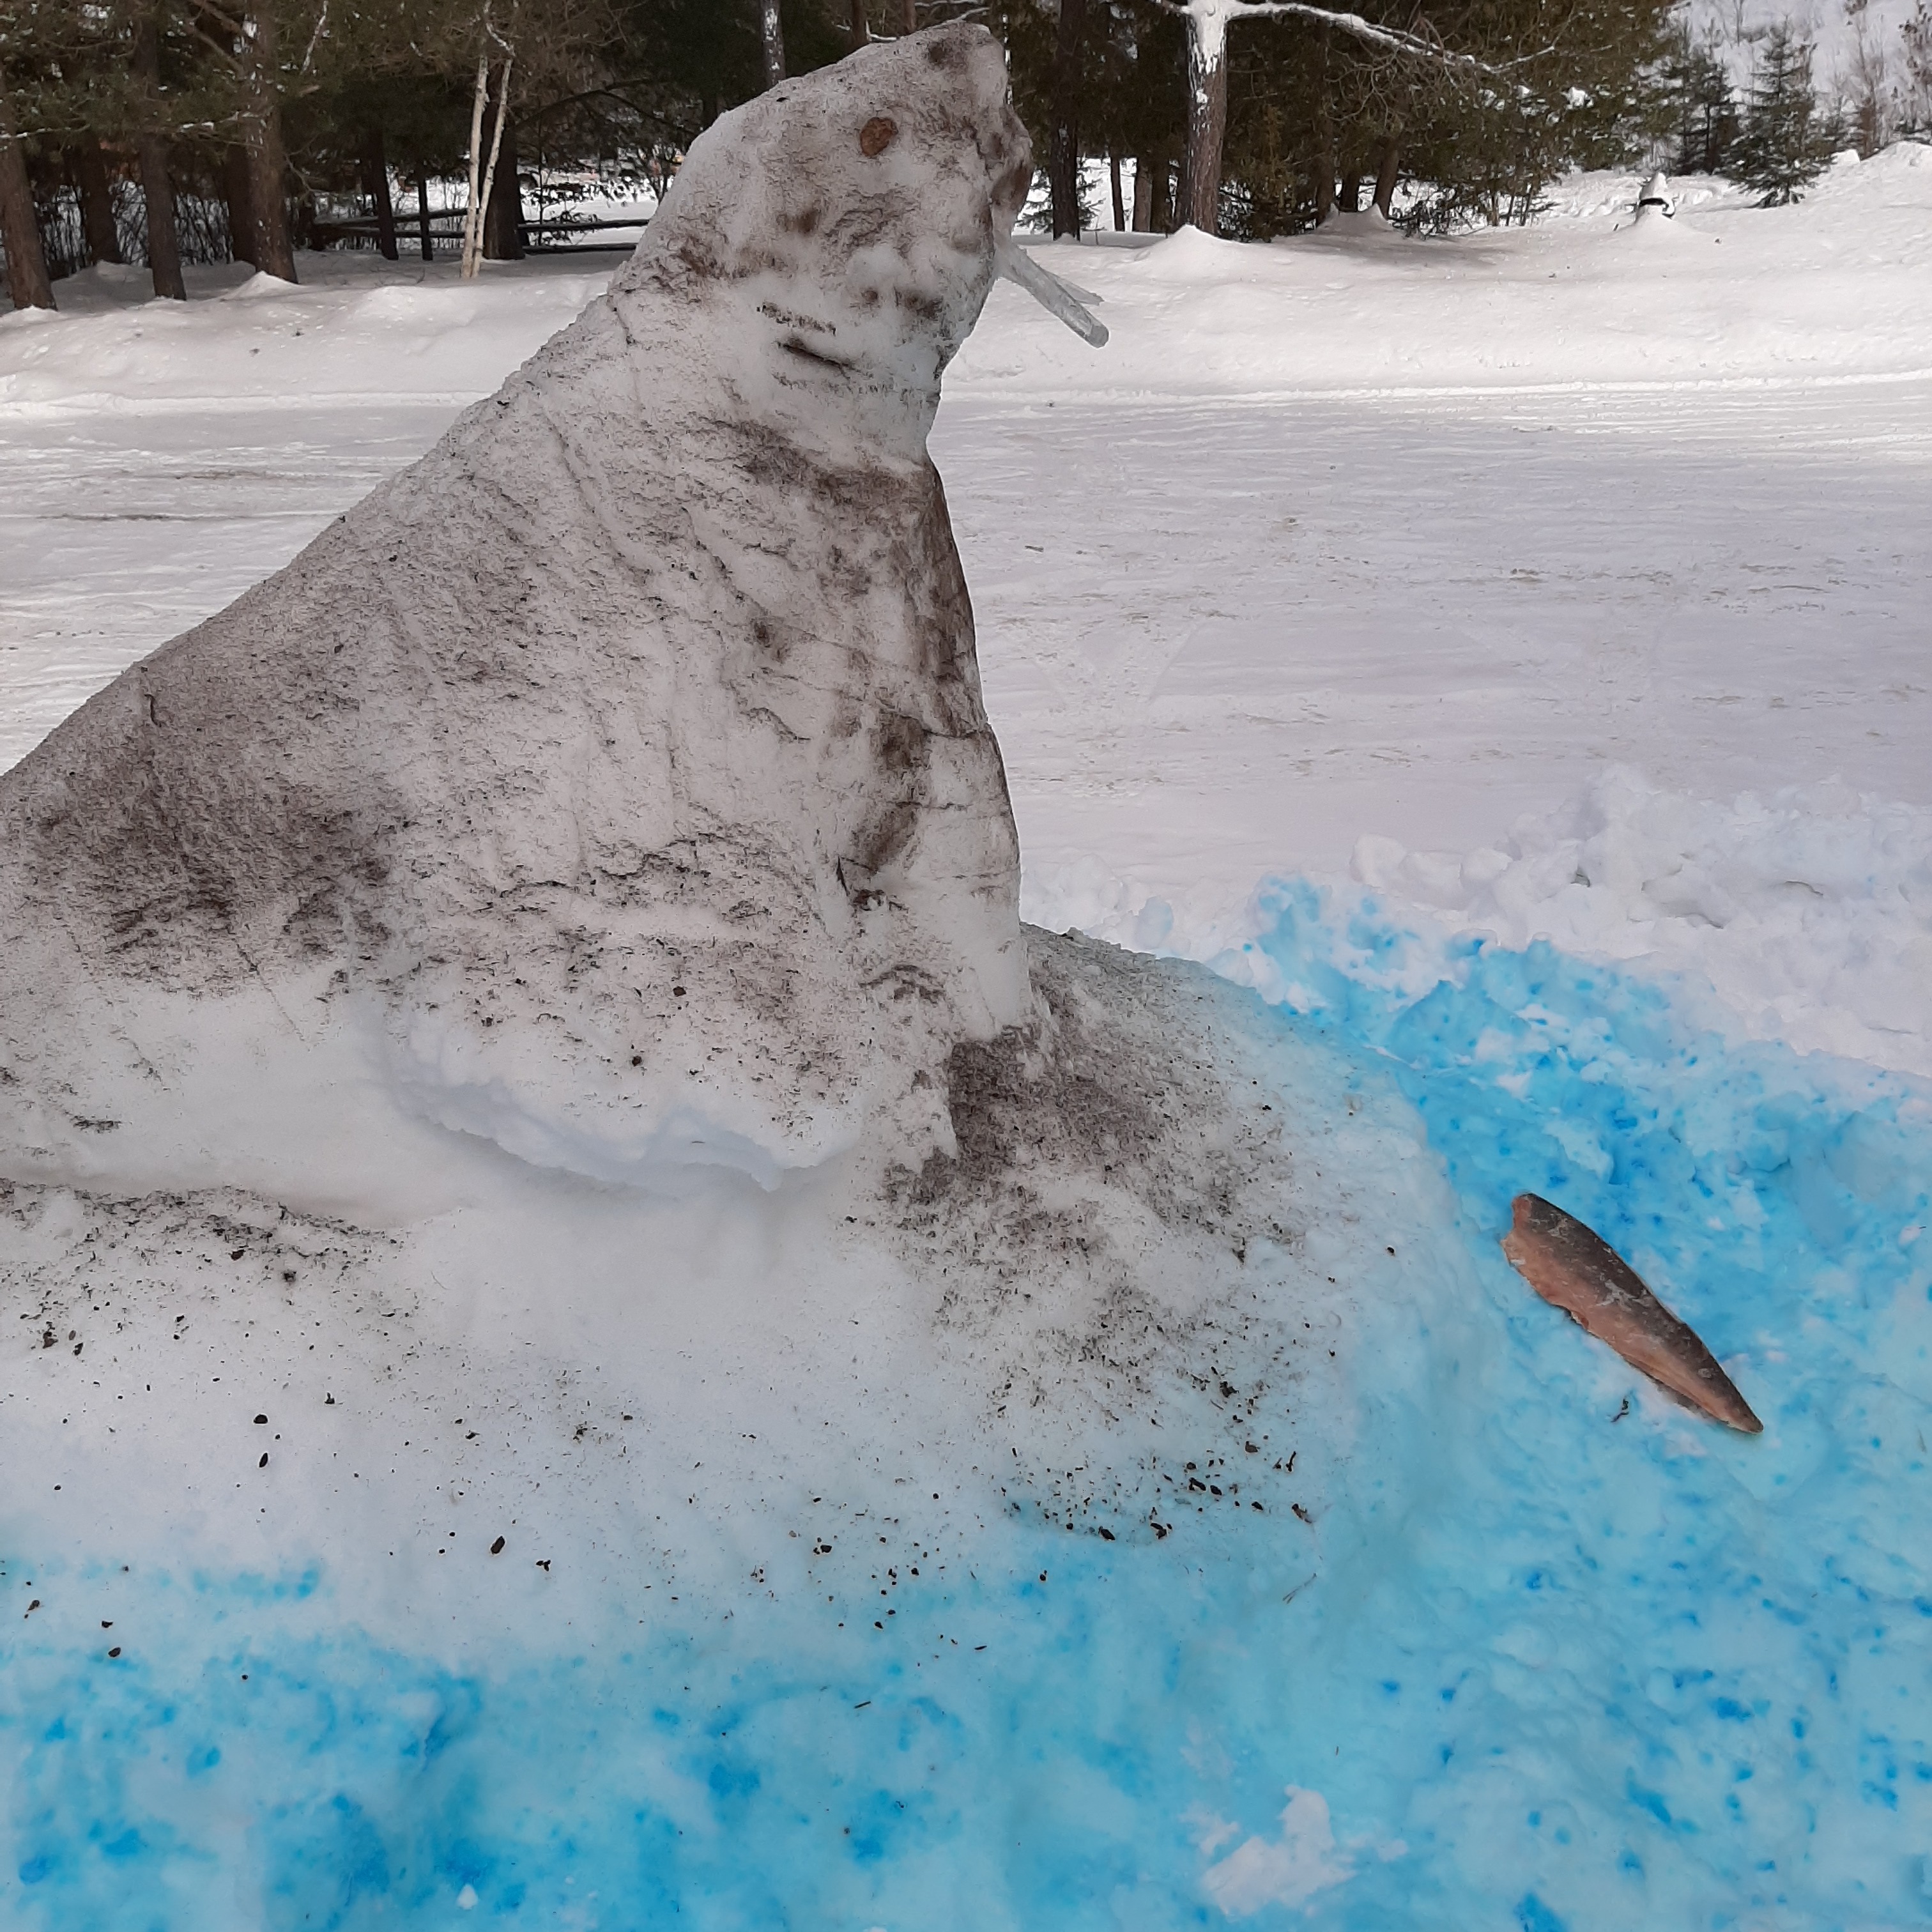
1808,911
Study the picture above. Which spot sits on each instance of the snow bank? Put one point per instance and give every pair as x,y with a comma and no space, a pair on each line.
357,329
1832,286
1808,911
1830,289
1803,916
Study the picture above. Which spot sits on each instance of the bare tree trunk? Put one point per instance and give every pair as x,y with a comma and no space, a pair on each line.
157,191
268,160
482,191
1385,175
158,196
472,209
375,185
1063,155
238,187
26,263
422,212
1348,198
908,16
1114,182
1144,166
89,168
771,35
1323,166
861,32
503,198
1162,213
1207,120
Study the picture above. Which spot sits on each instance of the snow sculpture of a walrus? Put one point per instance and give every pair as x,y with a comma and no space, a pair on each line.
614,784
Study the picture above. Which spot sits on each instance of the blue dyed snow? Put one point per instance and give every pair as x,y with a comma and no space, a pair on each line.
1573,1661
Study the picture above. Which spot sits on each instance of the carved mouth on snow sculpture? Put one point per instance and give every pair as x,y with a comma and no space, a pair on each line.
614,784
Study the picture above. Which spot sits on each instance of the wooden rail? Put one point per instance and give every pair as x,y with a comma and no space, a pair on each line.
414,226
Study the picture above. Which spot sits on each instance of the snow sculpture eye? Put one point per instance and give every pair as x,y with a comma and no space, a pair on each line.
876,137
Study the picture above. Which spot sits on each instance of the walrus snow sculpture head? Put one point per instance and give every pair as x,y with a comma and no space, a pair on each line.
847,233
614,784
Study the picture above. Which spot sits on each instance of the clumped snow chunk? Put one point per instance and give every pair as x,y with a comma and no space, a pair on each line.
614,784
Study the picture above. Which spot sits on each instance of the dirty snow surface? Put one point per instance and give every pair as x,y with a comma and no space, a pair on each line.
1497,675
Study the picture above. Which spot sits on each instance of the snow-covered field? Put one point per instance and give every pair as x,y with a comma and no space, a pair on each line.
1362,598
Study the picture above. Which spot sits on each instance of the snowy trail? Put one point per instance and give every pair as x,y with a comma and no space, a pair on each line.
1222,640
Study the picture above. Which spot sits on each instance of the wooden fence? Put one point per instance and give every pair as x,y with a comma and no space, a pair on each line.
424,229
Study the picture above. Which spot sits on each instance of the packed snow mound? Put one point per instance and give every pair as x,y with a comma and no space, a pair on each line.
1148,1247
1731,293
809,1582
1802,916
614,785
1808,911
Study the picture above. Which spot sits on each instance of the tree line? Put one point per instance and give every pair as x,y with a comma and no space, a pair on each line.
162,130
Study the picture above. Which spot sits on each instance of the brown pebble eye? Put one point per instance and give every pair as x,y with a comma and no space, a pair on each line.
876,137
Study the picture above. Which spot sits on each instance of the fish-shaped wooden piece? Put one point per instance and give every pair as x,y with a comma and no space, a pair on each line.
1575,1268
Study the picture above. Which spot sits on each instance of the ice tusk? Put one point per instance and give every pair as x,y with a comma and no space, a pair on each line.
1079,294
1049,291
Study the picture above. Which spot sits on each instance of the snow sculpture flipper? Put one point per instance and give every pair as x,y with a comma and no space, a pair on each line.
613,784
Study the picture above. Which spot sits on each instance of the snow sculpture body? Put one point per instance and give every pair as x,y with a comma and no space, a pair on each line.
614,784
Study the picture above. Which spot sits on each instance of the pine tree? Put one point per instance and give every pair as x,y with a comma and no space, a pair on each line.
1782,147
20,234
1915,92
1707,112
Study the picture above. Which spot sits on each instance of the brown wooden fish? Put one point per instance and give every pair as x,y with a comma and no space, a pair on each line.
1574,1267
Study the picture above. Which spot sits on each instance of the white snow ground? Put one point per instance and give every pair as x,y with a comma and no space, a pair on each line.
1351,552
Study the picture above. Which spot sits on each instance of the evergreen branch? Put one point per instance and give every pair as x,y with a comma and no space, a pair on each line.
225,54
1394,38
227,22
80,129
